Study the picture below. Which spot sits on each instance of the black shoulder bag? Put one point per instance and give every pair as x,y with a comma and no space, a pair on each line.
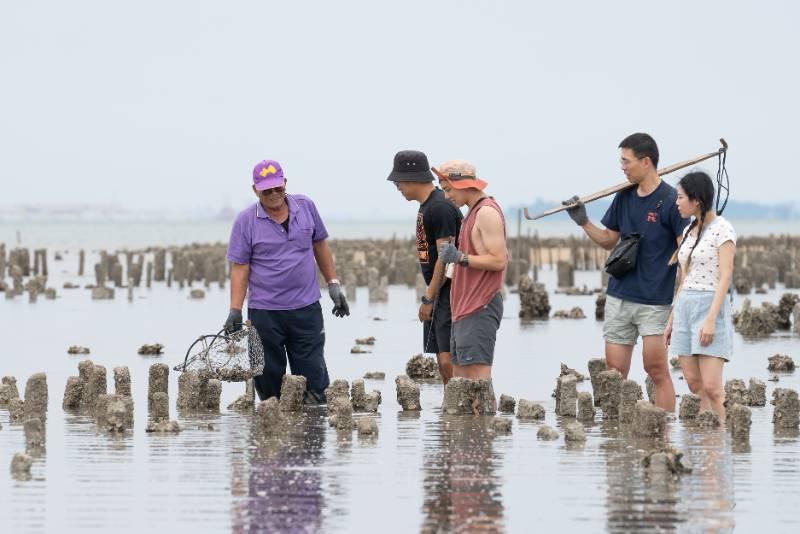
622,259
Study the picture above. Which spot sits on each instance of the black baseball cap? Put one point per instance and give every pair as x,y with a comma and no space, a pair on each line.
411,166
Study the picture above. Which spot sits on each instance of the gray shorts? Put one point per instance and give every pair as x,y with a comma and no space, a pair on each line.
473,337
626,320
438,340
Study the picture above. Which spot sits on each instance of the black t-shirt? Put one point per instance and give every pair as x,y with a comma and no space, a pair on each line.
437,218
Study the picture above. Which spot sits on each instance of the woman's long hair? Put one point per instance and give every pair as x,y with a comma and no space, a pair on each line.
697,186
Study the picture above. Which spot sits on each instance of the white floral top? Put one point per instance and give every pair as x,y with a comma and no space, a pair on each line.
703,272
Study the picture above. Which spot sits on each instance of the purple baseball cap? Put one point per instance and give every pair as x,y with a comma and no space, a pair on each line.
267,174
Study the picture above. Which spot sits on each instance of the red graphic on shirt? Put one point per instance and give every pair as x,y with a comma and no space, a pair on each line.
652,216
422,243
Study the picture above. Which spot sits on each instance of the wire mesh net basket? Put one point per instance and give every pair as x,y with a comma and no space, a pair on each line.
232,357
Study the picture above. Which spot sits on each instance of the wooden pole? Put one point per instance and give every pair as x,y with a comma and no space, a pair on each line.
626,185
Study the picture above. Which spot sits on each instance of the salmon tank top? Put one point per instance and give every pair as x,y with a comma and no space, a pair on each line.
472,289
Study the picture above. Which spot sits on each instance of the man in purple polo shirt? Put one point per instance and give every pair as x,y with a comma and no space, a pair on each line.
273,247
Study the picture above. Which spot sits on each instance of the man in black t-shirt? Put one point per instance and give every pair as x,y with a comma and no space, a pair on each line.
438,222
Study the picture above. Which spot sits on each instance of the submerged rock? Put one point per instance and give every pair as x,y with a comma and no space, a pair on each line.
689,407
574,432
665,461
122,381
463,396
16,409
21,466
158,380
575,313
547,433
408,393
72,393
675,363
34,436
708,419
159,406
269,417
609,393
757,392
529,410
586,411
341,414
630,395
507,404
787,408
422,367
293,389
565,370
8,390
36,396
649,421
163,427
596,366
375,375
77,349
740,421
365,340
736,393
114,413
567,396
780,362
534,302
337,388
502,425
151,350
367,426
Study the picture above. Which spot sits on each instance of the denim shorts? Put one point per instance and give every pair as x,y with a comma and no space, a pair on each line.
626,321
691,310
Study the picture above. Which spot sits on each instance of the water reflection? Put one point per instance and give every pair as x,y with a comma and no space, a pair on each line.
461,485
283,489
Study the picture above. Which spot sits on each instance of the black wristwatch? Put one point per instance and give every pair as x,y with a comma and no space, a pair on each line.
426,300
464,260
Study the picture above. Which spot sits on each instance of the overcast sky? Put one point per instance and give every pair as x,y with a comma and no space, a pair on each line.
168,104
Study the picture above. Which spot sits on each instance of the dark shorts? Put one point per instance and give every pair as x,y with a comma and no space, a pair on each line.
474,336
437,340
297,336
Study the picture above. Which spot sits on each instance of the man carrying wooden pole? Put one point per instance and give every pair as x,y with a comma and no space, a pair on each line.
639,301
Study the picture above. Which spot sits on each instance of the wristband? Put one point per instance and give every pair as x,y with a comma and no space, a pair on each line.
426,300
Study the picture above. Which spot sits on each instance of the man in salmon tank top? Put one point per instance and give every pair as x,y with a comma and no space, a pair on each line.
479,263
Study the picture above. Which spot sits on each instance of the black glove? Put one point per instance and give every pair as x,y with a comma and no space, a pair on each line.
578,211
340,307
234,322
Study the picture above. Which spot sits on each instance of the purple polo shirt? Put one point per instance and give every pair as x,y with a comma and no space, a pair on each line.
283,272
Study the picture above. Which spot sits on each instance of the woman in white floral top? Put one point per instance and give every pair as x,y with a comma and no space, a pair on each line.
700,327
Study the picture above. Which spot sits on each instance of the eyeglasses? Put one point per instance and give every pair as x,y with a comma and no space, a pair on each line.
625,162
278,190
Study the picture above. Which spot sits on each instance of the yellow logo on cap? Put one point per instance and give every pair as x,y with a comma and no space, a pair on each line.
268,170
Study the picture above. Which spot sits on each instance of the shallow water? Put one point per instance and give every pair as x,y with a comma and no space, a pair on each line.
425,472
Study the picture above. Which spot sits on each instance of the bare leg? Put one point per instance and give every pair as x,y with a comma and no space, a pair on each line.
711,374
655,364
619,357
691,373
476,371
445,367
